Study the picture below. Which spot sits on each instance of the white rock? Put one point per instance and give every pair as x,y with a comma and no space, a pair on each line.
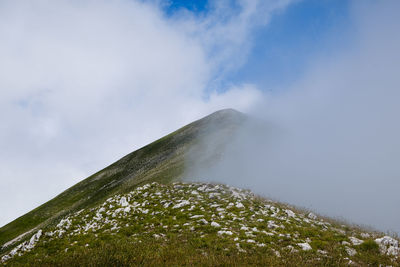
239,205
34,239
145,211
181,204
304,246
123,202
215,224
225,233
290,213
351,251
272,224
312,216
388,245
204,221
102,209
5,258
64,223
355,241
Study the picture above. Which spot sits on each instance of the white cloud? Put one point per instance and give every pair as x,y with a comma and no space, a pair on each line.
84,82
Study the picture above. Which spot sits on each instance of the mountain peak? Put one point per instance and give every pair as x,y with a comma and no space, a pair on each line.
226,113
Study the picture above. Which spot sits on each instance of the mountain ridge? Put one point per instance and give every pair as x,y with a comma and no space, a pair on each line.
161,160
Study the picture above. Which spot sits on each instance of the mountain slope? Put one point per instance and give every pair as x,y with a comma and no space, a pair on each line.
135,213
161,161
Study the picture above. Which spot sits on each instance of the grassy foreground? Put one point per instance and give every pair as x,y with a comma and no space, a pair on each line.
199,224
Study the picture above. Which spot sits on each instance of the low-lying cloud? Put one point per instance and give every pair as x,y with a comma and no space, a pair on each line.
331,142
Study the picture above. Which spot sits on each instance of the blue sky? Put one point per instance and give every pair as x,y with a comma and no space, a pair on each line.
282,49
198,6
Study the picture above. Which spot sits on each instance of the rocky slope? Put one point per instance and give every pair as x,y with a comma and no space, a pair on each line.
196,223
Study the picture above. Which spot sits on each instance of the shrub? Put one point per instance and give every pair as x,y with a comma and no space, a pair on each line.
370,246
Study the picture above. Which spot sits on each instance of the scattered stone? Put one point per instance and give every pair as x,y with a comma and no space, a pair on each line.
355,241
312,216
123,202
350,251
245,224
215,224
304,246
388,245
239,205
290,213
225,233
181,204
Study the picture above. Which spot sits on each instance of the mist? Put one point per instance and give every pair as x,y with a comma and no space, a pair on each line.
330,141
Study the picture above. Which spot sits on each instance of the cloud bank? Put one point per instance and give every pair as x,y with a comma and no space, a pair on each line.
83,83
331,141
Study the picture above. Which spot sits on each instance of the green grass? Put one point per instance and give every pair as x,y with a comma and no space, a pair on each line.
183,250
181,240
369,246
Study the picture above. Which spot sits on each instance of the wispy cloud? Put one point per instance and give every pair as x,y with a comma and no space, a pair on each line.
84,82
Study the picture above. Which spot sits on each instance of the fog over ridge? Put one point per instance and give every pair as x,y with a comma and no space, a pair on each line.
330,142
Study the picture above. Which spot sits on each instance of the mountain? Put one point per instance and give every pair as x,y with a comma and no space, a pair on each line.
161,161
138,211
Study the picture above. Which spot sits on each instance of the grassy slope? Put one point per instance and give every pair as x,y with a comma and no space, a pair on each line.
155,232
161,161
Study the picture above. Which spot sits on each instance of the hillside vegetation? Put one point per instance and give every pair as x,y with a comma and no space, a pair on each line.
191,223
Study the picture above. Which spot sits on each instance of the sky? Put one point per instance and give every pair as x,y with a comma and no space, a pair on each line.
83,83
